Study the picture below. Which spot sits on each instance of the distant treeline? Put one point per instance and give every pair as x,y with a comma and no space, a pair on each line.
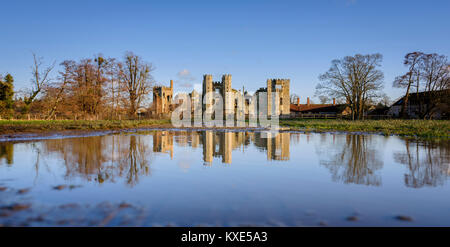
92,88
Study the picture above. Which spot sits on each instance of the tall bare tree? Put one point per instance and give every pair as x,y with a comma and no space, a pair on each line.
113,87
87,86
137,80
429,74
355,79
435,77
410,78
39,81
60,87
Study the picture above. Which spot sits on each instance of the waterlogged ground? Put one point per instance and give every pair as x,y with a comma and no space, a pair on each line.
224,178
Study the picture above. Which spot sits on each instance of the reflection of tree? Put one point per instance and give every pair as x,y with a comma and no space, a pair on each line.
135,163
350,159
103,158
6,152
427,162
82,156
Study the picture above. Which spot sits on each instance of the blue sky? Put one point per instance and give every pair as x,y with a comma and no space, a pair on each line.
252,40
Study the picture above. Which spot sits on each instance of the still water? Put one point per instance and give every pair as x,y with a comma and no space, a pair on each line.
219,178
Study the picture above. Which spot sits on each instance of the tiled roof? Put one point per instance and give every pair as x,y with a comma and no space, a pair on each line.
424,97
316,108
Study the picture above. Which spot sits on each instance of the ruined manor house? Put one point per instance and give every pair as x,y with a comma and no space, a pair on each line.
162,99
163,96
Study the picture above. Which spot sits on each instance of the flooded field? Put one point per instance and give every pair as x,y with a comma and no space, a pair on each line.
220,178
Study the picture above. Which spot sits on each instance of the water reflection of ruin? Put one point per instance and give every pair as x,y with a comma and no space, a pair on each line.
276,145
163,142
355,159
106,158
221,144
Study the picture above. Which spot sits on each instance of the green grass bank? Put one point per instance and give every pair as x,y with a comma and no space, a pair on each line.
16,126
409,128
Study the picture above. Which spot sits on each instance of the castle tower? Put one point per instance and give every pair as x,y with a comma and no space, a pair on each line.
281,86
227,95
285,106
162,98
207,87
226,82
269,97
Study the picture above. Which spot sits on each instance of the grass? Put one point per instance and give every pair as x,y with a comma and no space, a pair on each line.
14,126
410,128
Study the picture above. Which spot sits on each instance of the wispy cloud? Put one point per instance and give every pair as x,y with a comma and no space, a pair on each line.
185,74
185,79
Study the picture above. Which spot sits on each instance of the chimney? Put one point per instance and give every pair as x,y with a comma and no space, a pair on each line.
298,101
307,101
334,101
171,84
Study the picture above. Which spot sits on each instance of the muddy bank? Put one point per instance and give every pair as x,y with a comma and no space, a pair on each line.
31,134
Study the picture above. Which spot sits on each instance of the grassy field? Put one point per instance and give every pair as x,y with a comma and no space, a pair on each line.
411,128
14,126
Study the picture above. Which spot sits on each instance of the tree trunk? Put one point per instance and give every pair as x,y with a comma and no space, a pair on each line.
405,102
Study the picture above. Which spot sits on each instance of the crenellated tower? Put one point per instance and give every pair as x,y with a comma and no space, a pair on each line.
227,95
281,86
207,87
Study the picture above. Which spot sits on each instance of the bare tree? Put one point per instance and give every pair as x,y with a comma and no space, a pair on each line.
430,75
356,79
39,81
294,98
411,78
385,100
137,80
60,86
435,77
323,99
113,87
